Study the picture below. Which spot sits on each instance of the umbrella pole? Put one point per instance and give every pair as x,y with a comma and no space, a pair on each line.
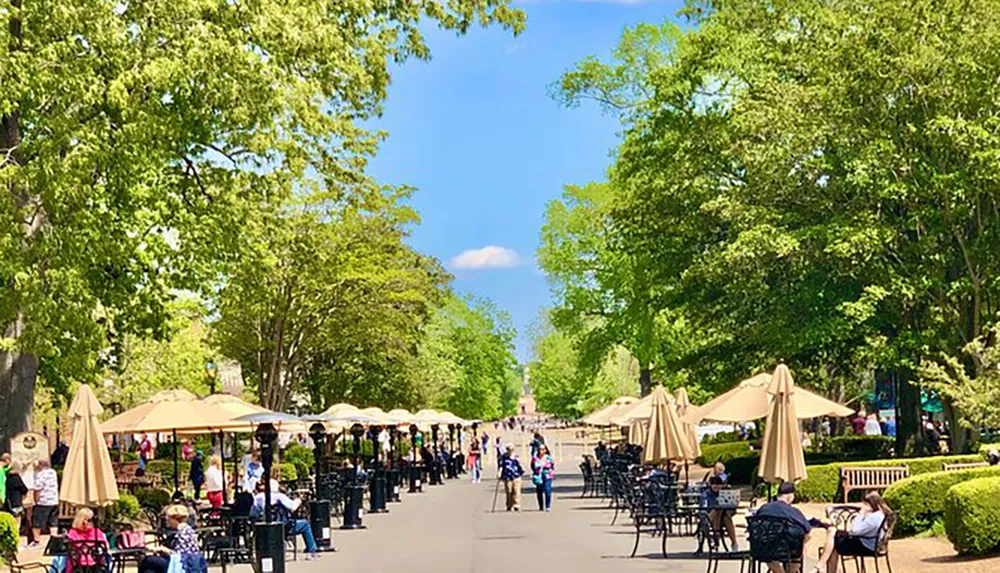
222,456
236,466
176,477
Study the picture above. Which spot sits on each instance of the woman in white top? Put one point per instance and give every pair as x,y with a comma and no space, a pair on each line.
213,482
860,539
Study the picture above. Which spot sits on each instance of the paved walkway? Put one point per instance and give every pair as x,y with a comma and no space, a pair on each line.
451,528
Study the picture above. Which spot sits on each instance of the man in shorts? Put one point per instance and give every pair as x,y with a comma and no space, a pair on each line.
45,514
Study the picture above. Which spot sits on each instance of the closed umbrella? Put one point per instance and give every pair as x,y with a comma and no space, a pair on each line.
664,441
782,458
637,432
690,436
750,400
88,478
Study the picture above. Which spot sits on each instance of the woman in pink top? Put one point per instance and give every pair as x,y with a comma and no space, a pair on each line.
83,554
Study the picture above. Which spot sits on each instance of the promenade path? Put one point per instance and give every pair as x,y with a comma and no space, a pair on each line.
451,528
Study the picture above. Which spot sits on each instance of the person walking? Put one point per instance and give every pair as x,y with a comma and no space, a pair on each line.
197,474
475,462
543,469
536,441
45,514
510,474
213,482
14,500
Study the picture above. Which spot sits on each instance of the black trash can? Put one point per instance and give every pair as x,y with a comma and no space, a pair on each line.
319,520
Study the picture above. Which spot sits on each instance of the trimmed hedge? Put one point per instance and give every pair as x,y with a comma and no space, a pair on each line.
823,483
721,438
919,500
9,537
724,452
971,519
153,498
860,447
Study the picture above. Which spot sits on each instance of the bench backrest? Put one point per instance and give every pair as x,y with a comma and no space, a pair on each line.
860,477
956,467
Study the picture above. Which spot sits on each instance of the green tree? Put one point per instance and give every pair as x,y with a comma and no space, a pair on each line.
466,362
138,138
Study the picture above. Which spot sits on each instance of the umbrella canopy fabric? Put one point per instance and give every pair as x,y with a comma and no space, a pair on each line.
638,410
664,441
690,435
750,400
637,432
341,408
172,396
602,417
164,415
781,457
88,478
401,416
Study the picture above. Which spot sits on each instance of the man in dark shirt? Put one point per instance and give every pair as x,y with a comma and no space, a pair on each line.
782,507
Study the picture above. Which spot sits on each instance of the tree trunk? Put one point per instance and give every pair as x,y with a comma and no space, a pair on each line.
18,372
909,434
645,380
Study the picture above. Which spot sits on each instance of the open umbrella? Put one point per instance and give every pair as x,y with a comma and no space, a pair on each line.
664,441
602,417
782,458
88,478
638,410
750,400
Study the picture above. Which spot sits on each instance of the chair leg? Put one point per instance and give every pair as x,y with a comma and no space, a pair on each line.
888,563
876,564
638,532
663,547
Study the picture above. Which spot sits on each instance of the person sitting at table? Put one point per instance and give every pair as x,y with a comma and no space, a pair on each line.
184,543
719,516
718,470
799,528
83,529
285,507
860,539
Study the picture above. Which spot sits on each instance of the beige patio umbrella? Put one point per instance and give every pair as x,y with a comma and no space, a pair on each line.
401,416
637,432
781,457
664,441
638,410
750,400
690,436
341,408
172,396
602,417
88,478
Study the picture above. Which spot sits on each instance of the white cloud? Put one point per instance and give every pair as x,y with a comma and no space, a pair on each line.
488,257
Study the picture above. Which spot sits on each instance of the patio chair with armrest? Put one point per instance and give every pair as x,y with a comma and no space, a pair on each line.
87,555
774,540
881,537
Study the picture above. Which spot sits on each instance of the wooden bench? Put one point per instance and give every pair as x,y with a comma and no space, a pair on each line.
965,466
852,478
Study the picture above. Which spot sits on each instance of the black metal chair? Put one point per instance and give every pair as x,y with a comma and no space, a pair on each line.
239,548
881,539
774,540
87,555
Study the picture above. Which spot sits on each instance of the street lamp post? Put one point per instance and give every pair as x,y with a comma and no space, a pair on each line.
319,507
211,373
451,466
269,536
394,481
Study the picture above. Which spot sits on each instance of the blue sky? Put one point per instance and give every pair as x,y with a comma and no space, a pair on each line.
476,133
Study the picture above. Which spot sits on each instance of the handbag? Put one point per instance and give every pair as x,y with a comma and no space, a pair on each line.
132,540
538,478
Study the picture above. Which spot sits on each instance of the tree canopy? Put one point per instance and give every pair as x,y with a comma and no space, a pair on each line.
812,183
139,140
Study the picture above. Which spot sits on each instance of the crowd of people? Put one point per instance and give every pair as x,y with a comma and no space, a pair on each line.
33,501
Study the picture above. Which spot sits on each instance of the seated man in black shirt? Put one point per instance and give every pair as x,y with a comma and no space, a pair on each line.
800,528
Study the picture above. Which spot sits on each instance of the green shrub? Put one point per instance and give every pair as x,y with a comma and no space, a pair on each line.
721,438
9,537
299,456
711,453
125,509
165,468
823,483
153,498
743,470
919,500
286,472
971,519
851,447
